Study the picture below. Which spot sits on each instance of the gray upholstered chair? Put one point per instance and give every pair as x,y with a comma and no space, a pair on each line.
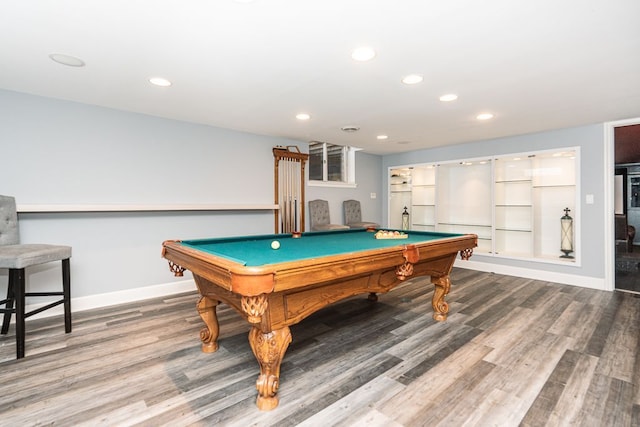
16,257
319,216
625,233
353,215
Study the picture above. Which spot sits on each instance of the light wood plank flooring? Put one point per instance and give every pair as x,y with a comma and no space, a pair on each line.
513,352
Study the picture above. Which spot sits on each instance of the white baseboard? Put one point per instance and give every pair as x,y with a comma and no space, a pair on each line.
138,294
113,298
528,273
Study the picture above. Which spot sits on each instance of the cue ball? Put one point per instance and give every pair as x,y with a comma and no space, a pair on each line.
275,244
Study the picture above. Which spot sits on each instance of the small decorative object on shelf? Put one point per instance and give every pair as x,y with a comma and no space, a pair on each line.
405,219
566,234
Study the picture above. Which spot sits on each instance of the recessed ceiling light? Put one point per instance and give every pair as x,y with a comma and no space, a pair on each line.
69,60
364,53
350,128
412,79
381,137
449,97
404,142
484,116
303,116
159,81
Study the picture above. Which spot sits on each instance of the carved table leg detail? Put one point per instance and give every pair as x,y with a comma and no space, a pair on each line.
440,306
269,349
177,270
208,335
254,307
405,270
466,253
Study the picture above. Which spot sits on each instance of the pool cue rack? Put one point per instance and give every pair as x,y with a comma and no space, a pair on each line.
289,164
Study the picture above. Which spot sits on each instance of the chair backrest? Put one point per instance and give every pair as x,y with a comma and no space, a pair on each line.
352,212
8,221
622,230
319,212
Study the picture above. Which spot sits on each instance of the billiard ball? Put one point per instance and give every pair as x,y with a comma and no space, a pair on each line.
275,244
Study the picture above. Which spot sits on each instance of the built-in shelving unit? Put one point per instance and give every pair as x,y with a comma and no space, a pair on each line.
423,198
399,195
554,185
512,202
464,200
513,209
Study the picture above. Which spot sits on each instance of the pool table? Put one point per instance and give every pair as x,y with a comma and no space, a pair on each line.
275,288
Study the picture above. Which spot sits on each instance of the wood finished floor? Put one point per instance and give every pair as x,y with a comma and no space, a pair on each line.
513,352
628,270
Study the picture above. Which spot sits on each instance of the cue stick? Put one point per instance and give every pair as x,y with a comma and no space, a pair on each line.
285,213
295,197
280,194
300,181
284,195
286,200
288,192
295,180
290,196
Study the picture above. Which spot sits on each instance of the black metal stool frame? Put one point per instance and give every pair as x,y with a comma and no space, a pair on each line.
16,294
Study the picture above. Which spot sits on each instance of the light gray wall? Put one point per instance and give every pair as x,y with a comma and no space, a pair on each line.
59,152
368,179
590,139
65,152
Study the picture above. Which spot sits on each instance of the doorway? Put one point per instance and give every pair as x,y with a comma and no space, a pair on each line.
626,207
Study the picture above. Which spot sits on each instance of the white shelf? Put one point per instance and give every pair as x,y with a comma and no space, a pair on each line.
33,208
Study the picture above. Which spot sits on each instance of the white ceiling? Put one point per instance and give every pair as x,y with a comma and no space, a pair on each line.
536,65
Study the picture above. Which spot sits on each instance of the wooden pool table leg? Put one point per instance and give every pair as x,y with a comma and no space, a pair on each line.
209,335
440,307
269,349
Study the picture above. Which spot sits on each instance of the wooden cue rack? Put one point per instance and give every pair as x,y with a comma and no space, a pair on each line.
289,188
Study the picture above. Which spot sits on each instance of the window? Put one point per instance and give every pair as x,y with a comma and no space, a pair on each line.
331,164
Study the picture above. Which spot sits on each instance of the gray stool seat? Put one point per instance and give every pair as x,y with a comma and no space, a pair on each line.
22,256
16,257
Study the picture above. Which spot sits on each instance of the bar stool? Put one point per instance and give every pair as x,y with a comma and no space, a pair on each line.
16,257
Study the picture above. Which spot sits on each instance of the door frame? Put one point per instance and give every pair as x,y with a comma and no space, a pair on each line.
609,202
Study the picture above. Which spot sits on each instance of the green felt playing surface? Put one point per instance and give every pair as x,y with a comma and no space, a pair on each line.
256,250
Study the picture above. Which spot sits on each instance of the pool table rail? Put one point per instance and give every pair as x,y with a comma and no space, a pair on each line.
256,280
